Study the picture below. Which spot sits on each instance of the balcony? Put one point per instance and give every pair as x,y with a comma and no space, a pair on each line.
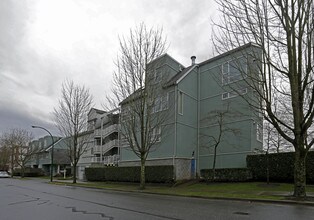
111,160
96,160
107,160
106,131
106,147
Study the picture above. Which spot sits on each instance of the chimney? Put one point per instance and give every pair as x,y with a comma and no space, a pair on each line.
193,58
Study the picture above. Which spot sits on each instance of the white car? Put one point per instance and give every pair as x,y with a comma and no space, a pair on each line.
4,174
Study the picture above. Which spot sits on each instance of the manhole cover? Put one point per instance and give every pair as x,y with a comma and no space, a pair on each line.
241,213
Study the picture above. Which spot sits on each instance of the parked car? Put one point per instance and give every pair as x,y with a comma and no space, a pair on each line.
4,174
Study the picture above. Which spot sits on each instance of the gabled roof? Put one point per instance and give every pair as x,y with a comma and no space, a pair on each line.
179,76
228,53
98,111
166,55
135,95
53,144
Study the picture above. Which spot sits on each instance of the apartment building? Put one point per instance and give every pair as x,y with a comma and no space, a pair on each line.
101,139
190,97
42,154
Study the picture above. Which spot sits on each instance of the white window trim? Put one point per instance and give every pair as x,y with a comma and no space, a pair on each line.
233,94
157,104
156,134
163,103
180,104
259,132
157,79
226,75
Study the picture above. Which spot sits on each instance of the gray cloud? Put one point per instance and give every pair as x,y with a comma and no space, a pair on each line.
16,118
33,67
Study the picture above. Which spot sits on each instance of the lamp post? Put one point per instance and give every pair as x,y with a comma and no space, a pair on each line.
52,143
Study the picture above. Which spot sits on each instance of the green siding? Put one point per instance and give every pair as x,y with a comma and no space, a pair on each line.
202,90
241,137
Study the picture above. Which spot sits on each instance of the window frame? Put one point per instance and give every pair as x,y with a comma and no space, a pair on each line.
226,74
233,94
180,102
157,76
161,103
259,132
156,134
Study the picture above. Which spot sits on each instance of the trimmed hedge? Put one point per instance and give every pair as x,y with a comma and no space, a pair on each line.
154,174
29,172
228,174
281,166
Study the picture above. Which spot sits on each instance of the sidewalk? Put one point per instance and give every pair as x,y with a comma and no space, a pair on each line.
252,191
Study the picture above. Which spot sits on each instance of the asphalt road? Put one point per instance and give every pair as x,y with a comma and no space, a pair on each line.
34,200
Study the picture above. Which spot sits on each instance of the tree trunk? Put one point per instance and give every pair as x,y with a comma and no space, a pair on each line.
142,183
74,159
74,173
267,167
214,164
299,174
23,172
12,161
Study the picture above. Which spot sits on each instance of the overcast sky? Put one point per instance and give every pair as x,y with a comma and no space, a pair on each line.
44,42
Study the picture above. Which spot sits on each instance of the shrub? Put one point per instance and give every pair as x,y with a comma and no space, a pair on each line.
29,172
228,174
155,174
281,166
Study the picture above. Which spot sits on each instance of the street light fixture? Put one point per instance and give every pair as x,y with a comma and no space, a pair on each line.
52,143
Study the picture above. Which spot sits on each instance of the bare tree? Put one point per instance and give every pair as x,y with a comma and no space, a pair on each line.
71,119
283,34
273,142
137,88
218,119
17,141
4,157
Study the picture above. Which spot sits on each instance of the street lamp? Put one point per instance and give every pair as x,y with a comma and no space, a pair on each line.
52,143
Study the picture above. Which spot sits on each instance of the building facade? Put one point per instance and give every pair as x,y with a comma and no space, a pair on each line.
194,98
103,144
42,156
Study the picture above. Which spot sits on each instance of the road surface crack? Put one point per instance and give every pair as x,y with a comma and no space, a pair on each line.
90,213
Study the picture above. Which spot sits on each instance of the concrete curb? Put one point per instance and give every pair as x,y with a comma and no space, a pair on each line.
285,202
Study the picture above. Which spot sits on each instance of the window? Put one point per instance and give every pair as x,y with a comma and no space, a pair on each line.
165,101
161,103
156,134
180,103
157,106
228,95
125,113
97,141
124,141
259,132
234,70
158,76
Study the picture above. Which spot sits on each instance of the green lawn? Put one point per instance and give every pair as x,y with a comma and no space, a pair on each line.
249,190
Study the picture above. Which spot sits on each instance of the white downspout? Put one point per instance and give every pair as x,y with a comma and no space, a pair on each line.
198,120
119,137
101,130
175,132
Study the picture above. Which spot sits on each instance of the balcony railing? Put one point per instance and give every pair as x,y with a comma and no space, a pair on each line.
106,131
111,160
96,160
106,147
107,160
